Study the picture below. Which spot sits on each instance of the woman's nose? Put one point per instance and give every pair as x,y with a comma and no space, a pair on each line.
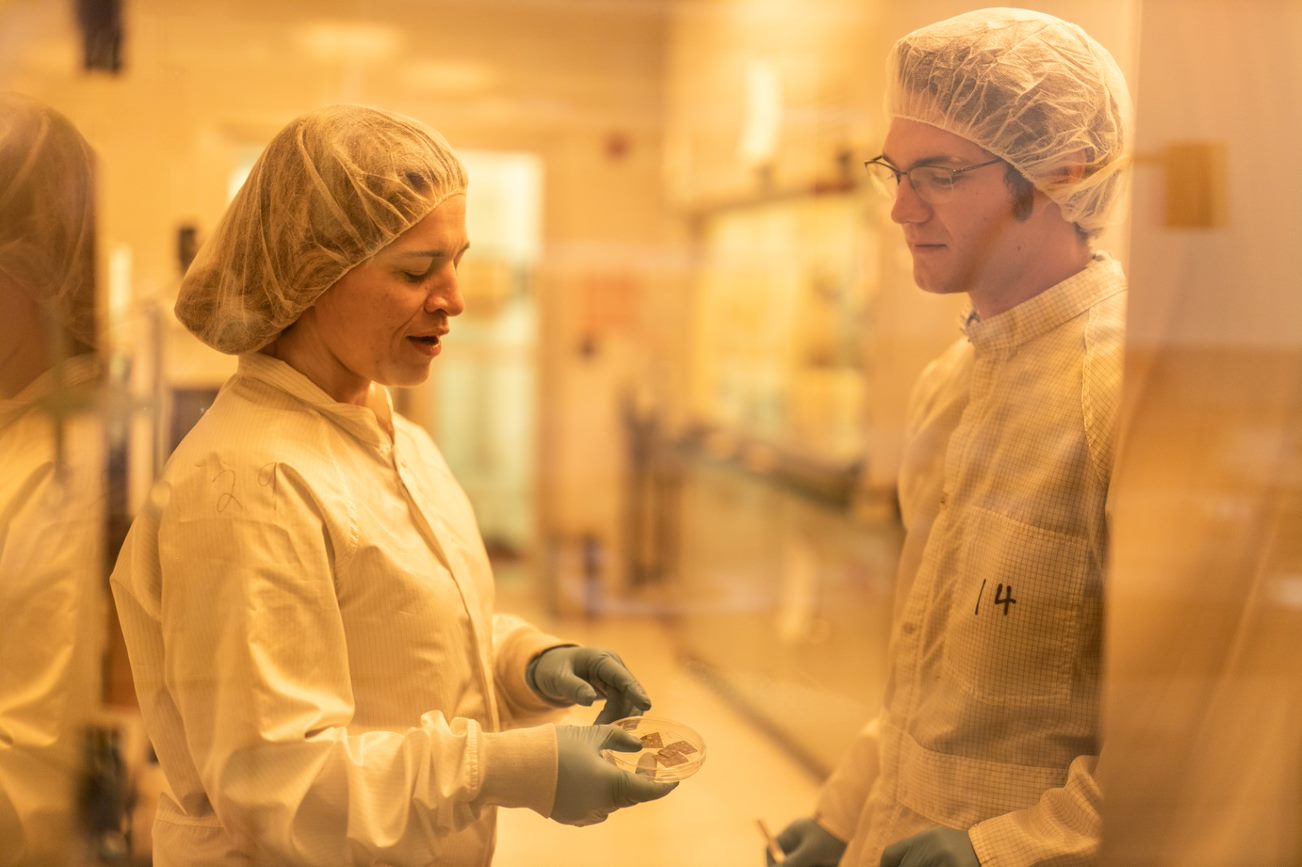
446,296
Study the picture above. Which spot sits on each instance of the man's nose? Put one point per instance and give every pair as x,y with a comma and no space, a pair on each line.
909,206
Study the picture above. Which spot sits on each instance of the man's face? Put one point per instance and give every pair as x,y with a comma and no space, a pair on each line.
382,321
966,240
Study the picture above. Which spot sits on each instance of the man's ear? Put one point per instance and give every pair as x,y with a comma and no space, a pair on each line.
1073,173
1065,175
1072,170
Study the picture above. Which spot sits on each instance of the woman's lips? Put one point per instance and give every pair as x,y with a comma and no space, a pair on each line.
428,344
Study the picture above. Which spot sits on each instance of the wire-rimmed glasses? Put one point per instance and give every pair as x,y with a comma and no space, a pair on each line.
931,182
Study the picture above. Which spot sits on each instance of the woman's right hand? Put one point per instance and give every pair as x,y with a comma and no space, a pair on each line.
589,788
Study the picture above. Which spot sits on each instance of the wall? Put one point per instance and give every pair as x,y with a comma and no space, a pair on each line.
802,131
1202,756
205,85
771,111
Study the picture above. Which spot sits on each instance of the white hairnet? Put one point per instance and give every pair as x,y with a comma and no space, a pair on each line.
1033,90
332,188
47,213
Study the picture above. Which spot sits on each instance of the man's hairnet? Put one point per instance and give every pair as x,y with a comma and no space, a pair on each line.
332,188
47,213
1032,89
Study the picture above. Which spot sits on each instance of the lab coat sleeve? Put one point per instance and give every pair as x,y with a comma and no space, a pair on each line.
50,643
1062,828
841,800
516,642
256,660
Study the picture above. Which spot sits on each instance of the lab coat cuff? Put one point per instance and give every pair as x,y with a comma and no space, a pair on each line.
522,650
836,825
518,768
991,842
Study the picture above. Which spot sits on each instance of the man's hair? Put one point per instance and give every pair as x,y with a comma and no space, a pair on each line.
1023,193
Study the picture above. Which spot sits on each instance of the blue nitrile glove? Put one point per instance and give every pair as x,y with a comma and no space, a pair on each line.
589,788
939,847
808,844
579,675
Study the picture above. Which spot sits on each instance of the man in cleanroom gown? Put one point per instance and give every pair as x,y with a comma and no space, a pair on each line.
306,601
1007,141
52,503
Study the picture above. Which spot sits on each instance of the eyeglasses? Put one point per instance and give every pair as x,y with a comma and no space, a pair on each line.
931,183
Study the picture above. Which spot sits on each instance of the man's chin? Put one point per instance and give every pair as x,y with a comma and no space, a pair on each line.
932,285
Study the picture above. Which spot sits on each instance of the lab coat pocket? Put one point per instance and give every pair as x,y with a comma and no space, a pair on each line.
1015,617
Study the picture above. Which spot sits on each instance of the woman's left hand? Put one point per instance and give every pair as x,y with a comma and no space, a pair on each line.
580,675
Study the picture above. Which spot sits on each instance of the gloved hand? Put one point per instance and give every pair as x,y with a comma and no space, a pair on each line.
589,788
578,675
808,844
939,847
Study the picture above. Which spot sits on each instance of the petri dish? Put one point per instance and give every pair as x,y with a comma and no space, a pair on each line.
670,750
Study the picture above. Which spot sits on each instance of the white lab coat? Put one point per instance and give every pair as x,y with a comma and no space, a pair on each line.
52,612
308,609
991,713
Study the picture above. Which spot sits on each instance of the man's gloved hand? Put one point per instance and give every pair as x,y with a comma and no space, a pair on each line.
808,844
589,788
578,675
939,847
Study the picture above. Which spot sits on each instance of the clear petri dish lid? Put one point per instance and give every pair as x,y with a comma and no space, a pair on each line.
670,750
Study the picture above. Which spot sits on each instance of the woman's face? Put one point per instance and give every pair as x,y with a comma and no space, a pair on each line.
382,322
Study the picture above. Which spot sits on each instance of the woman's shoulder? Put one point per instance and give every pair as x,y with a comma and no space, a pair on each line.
252,433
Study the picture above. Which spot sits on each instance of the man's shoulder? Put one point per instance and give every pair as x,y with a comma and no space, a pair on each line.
938,379
1105,338
944,368
1107,318
1101,376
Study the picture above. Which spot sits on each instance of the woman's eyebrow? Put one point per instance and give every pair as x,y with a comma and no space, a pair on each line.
425,254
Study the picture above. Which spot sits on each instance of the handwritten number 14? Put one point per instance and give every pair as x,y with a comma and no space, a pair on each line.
1003,596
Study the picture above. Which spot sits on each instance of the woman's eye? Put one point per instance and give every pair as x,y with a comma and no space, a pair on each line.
413,278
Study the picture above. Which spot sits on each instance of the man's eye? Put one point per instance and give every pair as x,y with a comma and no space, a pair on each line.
936,179
413,278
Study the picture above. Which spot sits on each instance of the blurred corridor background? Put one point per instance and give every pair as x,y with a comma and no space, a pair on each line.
676,398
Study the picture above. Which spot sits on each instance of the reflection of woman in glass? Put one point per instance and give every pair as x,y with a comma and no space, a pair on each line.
307,602
51,479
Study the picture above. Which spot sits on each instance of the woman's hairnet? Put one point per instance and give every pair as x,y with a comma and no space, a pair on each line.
47,213
1032,89
332,188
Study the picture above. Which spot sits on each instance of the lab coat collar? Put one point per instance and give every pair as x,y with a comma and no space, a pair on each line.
372,424
1100,278
72,377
